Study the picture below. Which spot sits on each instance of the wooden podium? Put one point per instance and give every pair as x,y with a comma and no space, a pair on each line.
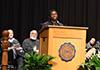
66,44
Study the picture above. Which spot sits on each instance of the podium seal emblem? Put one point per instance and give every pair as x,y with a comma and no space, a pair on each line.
67,52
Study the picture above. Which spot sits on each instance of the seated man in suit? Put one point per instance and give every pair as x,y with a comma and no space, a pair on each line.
53,19
32,43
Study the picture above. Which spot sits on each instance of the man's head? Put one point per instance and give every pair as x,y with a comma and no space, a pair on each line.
33,35
53,15
92,41
11,33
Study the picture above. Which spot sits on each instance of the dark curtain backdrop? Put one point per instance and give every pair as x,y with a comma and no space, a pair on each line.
25,15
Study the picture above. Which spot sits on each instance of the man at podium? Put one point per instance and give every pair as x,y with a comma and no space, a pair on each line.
53,19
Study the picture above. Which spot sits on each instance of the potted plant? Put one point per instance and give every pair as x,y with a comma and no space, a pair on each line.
34,61
93,63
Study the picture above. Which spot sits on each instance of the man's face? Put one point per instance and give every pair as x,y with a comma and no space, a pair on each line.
53,15
33,35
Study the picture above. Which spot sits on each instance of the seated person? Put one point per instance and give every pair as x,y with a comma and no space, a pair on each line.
15,49
92,47
97,46
32,43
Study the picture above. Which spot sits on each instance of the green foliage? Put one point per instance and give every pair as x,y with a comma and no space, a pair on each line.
34,61
93,63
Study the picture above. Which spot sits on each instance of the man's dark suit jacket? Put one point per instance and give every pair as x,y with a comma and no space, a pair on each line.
50,23
45,24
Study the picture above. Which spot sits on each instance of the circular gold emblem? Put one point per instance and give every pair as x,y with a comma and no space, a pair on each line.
67,52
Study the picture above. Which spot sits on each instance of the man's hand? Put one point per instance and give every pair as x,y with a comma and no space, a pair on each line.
90,52
35,49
